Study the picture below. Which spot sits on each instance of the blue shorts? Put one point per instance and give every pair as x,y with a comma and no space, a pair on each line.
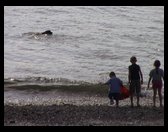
114,96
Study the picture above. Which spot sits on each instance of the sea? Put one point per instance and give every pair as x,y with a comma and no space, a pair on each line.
88,42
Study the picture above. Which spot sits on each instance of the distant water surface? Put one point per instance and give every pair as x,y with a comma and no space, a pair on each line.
88,42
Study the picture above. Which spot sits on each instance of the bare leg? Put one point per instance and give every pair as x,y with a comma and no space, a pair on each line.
117,103
138,100
131,97
160,97
111,101
154,97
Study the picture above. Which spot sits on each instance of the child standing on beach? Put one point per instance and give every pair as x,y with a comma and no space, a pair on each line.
156,75
114,88
135,79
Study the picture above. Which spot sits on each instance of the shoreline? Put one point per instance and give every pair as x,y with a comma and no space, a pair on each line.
72,107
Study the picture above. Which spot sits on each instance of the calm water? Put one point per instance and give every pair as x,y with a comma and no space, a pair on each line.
88,42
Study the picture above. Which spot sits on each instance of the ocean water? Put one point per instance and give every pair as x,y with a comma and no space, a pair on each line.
88,42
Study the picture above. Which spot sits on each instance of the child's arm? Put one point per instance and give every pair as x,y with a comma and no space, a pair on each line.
103,83
107,83
149,82
163,76
129,76
141,76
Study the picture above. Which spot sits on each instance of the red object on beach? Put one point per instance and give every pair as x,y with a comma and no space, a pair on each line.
124,93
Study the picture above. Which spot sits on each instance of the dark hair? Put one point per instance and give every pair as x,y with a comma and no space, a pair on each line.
112,74
47,32
157,65
133,59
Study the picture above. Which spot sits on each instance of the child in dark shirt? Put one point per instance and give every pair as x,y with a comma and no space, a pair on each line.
135,79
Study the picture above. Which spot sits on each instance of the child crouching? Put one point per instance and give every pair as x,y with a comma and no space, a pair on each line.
114,88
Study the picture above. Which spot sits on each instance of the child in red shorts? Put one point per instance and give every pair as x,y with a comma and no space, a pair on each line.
156,75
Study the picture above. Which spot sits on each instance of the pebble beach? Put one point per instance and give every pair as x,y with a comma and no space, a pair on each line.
65,108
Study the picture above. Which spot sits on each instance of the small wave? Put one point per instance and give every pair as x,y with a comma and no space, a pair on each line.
36,36
16,85
43,81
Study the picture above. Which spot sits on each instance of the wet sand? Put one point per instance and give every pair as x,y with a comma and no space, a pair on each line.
58,108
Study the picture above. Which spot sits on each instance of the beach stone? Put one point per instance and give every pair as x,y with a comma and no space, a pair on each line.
12,121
